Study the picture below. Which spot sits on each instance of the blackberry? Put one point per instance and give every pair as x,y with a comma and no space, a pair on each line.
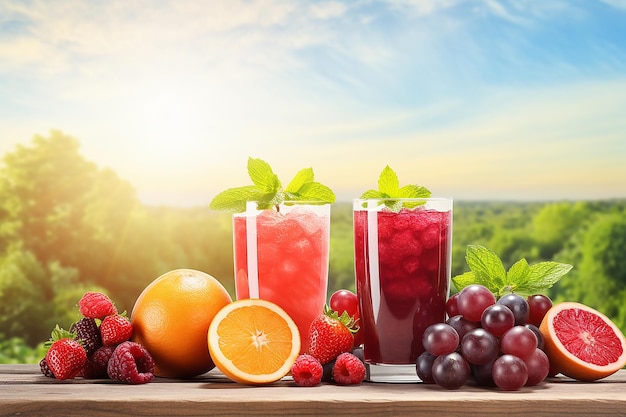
88,333
43,366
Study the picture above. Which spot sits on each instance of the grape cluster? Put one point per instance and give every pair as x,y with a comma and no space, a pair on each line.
492,343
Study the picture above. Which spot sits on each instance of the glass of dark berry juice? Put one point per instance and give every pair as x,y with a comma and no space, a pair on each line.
402,250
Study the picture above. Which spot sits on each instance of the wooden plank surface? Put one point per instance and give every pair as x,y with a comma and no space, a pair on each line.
25,392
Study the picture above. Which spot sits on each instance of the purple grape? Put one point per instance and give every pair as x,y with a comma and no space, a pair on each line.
462,325
450,371
518,305
452,308
473,300
537,333
497,319
538,366
440,339
538,305
479,347
424,367
482,374
519,341
509,372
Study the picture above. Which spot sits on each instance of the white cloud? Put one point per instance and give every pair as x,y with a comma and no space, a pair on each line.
619,4
328,10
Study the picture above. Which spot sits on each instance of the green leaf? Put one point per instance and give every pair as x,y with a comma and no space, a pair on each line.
58,333
302,177
389,188
267,190
524,279
542,276
487,266
517,275
388,182
414,191
316,192
463,280
234,199
371,195
262,175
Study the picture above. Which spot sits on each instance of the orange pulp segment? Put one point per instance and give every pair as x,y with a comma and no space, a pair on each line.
253,341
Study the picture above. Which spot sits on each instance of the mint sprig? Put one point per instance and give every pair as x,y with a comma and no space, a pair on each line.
267,190
389,188
486,268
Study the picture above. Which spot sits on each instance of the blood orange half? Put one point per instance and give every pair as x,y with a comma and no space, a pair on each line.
582,343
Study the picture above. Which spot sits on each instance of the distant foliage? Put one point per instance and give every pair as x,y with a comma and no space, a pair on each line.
67,226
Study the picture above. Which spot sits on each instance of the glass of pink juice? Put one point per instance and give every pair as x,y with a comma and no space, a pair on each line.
402,268
282,256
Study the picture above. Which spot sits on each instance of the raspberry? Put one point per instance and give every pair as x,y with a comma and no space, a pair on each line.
307,371
348,370
115,330
88,334
97,363
131,363
96,305
45,369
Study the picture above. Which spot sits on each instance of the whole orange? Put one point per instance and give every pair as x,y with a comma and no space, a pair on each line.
171,318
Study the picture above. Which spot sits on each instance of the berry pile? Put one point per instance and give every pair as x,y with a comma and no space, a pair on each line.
332,354
97,346
493,343
348,368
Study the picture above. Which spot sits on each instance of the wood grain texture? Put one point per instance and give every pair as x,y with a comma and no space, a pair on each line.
25,392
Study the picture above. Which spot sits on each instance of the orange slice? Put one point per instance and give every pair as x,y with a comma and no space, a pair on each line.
582,343
253,341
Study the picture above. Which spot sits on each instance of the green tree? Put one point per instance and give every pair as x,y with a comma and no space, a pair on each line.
556,223
599,280
34,297
341,258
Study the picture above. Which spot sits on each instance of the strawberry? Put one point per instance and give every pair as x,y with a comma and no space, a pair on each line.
330,335
115,330
66,356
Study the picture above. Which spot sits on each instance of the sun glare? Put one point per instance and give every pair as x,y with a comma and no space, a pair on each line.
168,122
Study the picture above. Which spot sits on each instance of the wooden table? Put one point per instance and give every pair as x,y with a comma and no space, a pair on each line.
25,392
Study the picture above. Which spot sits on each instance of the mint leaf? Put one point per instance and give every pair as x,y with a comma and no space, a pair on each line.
234,199
465,279
388,183
372,195
542,276
315,192
517,275
486,265
267,190
302,177
413,191
262,176
487,269
389,188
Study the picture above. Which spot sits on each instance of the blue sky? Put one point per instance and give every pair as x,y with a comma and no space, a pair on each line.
475,99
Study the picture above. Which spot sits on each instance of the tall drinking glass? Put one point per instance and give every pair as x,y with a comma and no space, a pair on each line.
282,256
402,250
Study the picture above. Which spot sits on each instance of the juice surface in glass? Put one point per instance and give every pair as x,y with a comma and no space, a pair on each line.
402,278
282,256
